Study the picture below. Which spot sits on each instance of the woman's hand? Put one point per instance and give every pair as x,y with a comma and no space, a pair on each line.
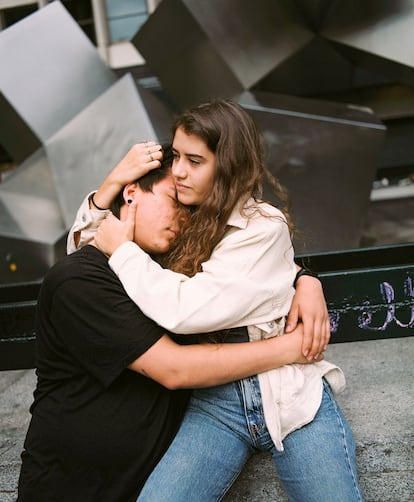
113,232
141,158
309,306
292,347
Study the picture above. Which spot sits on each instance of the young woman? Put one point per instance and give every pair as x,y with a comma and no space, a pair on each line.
234,267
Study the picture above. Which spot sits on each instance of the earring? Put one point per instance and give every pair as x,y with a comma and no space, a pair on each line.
129,201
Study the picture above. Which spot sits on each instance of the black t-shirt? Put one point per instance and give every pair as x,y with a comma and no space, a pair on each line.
97,428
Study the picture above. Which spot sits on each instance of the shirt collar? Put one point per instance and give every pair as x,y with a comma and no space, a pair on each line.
237,219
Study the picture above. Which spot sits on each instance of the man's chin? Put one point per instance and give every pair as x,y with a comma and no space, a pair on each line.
161,249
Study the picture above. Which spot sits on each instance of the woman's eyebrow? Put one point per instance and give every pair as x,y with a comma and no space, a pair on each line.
194,156
188,154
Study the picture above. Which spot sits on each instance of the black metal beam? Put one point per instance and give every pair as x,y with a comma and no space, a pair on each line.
370,295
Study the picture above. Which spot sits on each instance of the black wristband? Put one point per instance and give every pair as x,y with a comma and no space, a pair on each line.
304,271
94,203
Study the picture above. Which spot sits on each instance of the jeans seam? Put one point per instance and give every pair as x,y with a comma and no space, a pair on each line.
345,445
255,430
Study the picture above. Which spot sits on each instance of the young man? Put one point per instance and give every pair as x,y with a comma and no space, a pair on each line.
105,408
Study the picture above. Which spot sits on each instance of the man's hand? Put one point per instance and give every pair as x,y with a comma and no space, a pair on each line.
309,306
113,232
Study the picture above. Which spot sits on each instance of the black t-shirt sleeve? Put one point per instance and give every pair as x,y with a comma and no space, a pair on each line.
100,326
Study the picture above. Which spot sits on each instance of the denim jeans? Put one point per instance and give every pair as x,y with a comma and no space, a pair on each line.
224,426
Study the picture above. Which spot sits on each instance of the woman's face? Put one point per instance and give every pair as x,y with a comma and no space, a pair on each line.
193,168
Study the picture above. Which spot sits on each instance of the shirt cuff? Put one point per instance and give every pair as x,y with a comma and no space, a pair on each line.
123,253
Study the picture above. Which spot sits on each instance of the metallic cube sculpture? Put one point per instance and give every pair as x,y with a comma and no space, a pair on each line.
83,152
210,49
67,120
325,155
201,50
50,72
376,35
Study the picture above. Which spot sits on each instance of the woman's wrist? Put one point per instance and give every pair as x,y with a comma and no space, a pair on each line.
304,272
94,205
105,195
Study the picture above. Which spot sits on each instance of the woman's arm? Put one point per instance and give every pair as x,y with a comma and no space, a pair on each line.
191,366
241,284
141,158
309,306
247,280
85,225
95,207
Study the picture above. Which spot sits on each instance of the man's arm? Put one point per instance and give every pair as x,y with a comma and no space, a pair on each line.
191,366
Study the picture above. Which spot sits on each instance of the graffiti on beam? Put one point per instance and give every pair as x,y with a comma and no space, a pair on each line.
379,316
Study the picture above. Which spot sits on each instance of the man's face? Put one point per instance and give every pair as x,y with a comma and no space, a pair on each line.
157,218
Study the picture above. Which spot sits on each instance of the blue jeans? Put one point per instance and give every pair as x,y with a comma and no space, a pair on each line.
224,426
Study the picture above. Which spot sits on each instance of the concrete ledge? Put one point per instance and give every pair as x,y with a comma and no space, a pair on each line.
378,402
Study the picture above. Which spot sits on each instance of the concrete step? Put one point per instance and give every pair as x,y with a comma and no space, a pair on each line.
378,402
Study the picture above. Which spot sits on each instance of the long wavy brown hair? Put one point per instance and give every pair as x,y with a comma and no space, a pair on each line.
232,135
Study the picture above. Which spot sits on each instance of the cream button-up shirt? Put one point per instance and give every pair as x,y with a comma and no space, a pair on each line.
248,281
292,394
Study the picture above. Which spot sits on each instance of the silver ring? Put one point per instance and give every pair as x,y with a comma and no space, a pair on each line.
151,157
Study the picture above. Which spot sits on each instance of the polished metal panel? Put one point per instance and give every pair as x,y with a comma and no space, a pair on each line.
200,50
31,225
187,65
377,27
376,34
71,122
50,72
314,11
251,38
30,207
25,260
316,69
325,155
83,152
57,94
15,134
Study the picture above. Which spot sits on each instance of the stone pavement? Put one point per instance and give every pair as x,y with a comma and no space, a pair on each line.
378,402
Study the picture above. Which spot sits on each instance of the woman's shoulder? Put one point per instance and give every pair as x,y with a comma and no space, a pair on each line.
258,221
262,211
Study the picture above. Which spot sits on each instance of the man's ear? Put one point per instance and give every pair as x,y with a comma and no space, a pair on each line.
131,193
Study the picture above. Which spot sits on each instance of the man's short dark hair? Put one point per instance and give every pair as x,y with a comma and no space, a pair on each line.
149,180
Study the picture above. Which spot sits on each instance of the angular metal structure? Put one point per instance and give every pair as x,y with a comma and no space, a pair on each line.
50,72
31,225
72,120
325,155
203,50
200,50
210,49
375,34
83,152
60,106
